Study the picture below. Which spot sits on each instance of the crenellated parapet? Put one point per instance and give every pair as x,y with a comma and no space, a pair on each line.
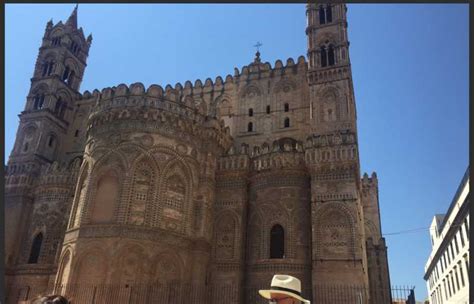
369,184
258,70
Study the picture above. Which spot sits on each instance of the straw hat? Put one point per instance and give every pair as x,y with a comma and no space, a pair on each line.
284,284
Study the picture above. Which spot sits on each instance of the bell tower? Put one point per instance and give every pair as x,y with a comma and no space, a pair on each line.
329,74
43,127
338,240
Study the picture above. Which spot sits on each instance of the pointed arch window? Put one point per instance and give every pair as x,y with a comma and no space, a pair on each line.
324,61
35,249
268,109
328,13
141,192
322,16
287,123
250,112
287,107
250,127
175,193
50,141
56,41
277,242
38,101
47,68
331,60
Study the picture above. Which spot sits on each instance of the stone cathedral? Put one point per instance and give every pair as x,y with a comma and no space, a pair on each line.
194,193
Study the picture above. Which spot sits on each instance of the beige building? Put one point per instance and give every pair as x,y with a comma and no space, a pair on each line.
447,268
198,192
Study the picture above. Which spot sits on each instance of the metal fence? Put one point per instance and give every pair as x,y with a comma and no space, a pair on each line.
190,294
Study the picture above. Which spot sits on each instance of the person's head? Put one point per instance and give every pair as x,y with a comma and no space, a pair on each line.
284,289
280,298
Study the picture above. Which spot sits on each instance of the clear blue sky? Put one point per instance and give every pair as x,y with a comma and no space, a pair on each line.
410,69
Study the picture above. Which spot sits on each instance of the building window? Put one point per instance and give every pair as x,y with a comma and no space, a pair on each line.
331,60
35,249
287,123
461,273
324,60
268,109
456,243
322,17
47,68
457,278
287,107
445,291
250,127
466,227
38,102
76,134
25,147
56,41
452,282
51,141
250,112
277,242
461,236
329,13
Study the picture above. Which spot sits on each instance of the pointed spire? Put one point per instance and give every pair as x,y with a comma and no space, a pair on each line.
72,20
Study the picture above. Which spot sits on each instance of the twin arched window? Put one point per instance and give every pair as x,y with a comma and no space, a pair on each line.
56,41
35,249
75,48
47,68
327,56
38,101
60,108
325,14
68,75
277,242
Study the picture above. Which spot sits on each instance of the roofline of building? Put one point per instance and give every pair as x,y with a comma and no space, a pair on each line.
455,199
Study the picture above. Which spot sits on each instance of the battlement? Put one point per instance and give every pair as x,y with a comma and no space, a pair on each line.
371,181
187,94
59,173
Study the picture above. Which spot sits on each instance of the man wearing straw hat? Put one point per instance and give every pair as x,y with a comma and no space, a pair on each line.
284,289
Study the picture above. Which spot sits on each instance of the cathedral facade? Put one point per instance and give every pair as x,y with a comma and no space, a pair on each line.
197,193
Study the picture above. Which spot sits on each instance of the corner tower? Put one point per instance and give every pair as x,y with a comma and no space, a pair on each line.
33,237
338,238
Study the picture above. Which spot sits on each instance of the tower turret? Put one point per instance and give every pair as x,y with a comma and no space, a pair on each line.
43,127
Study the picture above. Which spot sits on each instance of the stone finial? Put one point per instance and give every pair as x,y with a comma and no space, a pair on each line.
72,20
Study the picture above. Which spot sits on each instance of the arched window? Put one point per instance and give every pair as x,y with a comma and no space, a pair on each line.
25,147
287,107
277,242
56,41
70,78
66,73
329,13
50,141
324,61
250,127
47,68
322,17
38,101
287,122
62,110
331,55
250,112
58,105
268,109
35,249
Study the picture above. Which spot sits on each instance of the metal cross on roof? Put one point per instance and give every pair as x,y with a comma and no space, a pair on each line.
258,45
